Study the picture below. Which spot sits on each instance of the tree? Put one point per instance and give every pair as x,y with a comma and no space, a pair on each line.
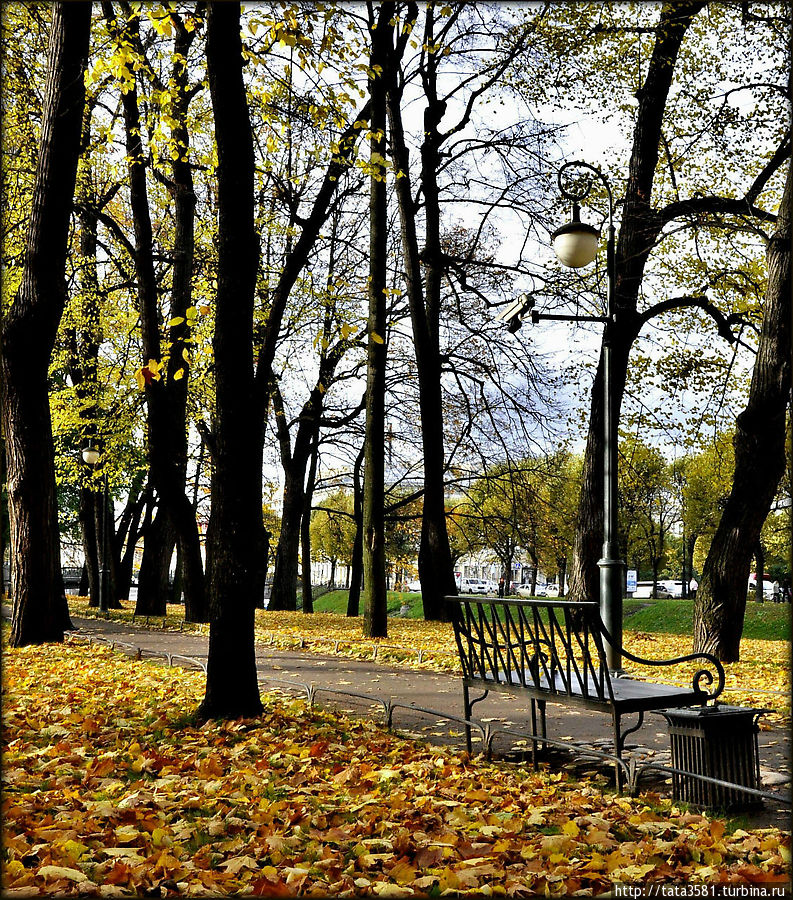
164,374
646,504
429,266
759,443
558,493
28,335
503,513
703,481
233,564
375,622
333,530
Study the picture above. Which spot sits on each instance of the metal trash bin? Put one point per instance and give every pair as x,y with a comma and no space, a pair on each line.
718,742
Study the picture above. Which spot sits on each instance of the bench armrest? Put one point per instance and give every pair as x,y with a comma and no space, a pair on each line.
699,675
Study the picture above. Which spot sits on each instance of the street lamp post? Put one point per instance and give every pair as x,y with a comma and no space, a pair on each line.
575,245
92,455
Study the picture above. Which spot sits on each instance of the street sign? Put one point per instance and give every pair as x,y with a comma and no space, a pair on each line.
631,585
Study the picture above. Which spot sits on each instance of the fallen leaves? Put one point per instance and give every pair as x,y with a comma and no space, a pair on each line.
107,792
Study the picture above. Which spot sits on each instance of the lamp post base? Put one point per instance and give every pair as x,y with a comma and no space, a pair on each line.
611,575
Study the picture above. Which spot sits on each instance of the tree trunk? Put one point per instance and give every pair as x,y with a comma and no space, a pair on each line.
87,516
759,444
3,506
40,612
284,591
155,564
305,530
356,561
375,616
234,563
759,556
126,541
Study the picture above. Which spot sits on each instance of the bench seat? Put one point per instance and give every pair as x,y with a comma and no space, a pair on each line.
630,694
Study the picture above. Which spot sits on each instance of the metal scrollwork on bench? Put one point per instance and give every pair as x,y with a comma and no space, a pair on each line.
699,675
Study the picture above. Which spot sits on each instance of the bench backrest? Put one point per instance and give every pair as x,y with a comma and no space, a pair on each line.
550,645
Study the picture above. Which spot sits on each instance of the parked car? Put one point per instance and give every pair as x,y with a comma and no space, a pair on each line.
524,590
768,586
473,586
644,590
492,588
413,586
675,588
552,589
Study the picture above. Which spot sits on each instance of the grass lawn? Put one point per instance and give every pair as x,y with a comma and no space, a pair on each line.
763,621
111,789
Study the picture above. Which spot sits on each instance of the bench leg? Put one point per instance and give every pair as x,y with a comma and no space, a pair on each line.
533,732
467,716
619,744
543,729
467,706
617,752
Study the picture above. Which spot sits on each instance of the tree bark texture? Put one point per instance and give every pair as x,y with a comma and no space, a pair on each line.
436,567
375,621
356,561
87,516
155,565
305,531
638,234
233,545
759,444
40,613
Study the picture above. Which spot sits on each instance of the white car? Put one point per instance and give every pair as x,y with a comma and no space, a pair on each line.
768,587
473,586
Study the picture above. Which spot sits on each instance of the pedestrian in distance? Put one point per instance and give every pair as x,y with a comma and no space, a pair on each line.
501,587
775,595
786,591
692,588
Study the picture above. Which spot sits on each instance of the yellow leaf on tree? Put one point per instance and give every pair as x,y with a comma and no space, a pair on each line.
376,338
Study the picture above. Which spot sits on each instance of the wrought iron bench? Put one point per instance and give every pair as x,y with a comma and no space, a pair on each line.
552,651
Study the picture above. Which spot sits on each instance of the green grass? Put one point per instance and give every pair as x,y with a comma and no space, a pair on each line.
336,602
763,621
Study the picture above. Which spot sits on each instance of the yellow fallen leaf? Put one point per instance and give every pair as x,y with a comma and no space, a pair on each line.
402,873
61,872
384,889
233,865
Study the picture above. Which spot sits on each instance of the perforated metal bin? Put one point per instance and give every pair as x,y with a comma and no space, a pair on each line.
718,742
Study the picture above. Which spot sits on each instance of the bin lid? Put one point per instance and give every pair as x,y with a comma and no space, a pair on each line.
719,711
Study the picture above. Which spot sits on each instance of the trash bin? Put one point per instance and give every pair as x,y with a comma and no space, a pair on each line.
718,742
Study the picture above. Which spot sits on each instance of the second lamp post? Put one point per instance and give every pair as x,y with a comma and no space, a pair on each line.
92,455
575,244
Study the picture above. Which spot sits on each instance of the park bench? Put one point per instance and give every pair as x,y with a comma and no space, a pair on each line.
552,651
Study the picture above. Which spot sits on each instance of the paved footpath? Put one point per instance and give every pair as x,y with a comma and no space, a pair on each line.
296,670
